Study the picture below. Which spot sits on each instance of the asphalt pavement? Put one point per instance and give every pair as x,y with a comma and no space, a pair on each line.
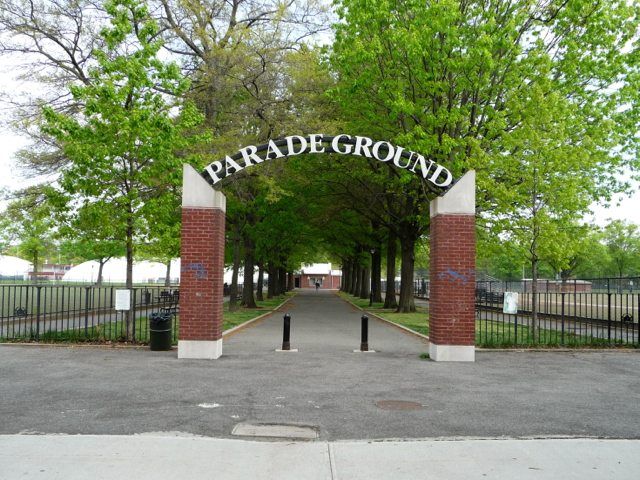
355,399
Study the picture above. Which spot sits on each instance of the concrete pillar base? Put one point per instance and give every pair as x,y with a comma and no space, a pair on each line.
200,349
452,353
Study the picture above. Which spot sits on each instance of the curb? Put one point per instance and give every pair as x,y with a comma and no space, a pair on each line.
389,322
249,323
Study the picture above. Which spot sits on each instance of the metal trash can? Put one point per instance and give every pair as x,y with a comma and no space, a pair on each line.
160,331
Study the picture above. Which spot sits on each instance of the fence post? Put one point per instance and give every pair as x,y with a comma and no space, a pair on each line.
133,314
86,310
29,310
38,290
62,310
562,310
609,316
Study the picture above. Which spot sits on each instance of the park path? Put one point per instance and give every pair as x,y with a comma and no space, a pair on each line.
321,322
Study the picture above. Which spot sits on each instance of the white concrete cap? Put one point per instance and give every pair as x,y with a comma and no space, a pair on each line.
452,353
459,200
200,349
197,193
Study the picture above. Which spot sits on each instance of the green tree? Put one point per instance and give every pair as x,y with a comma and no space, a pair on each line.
162,215
122,144
28,226
622,240
501,87
89,234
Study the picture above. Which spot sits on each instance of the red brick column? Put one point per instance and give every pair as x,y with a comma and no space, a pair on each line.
452,273
202,268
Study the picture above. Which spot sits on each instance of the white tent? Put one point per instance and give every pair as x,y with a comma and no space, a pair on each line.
115,271
228,274
14,267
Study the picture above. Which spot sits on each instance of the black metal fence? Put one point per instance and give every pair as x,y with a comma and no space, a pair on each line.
82,313
591,312
600,312
617,285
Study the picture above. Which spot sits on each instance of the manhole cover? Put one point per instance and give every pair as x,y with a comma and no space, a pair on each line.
275,431
398,405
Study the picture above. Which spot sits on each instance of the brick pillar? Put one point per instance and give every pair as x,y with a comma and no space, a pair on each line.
452,273
202,268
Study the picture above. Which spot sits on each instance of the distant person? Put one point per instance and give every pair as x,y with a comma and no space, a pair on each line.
317,285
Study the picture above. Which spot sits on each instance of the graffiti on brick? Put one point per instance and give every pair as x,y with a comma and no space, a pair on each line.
199,268
454,276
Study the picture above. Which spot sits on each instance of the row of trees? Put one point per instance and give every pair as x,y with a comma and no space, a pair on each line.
540,98
610,251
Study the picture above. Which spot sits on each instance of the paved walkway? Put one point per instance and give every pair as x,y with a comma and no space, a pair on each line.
323,324
194,458
349,399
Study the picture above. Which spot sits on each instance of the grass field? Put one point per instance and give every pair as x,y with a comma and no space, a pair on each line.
113,331
418,321
599,306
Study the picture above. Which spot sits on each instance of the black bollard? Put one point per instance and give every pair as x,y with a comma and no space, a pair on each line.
286,332
364,334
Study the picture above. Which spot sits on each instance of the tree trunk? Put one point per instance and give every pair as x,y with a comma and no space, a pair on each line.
233,289
390,293
282,280
365,287
36,259
357,284
376,273
290,286
259,287
129,282
352,277
534,300
167,277
101,262
344,279
407,247
273,281
248,300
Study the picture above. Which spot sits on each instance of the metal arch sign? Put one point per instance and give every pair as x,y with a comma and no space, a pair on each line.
343,144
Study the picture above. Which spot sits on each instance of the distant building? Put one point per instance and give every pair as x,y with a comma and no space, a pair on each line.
320,273
557,286
50,271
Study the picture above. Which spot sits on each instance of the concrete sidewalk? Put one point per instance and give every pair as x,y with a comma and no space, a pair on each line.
194,458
